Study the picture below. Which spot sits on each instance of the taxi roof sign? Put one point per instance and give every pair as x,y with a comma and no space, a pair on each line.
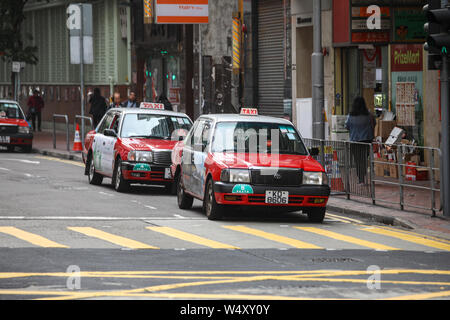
151,105
249,111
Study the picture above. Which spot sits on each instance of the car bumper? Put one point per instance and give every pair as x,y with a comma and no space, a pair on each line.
17,139
301,196
154,175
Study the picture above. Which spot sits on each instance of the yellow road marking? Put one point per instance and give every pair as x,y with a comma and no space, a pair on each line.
118,240
421,296
341,237
76,163
273,237
349,220
410,238
171,232
31,237
414,234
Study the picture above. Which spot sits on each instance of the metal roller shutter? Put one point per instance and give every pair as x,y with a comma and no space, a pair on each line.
270,57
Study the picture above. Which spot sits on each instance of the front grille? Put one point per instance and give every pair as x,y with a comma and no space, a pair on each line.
8,129
283,177
162,157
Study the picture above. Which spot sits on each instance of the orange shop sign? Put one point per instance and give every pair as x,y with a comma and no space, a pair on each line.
406,57
181,11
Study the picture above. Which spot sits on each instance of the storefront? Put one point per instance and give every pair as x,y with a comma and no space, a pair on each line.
382,63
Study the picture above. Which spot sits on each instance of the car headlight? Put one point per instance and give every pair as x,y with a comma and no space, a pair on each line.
24,130
140,156
315,177
235,175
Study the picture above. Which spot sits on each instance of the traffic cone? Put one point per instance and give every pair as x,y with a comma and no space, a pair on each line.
77,141
336,180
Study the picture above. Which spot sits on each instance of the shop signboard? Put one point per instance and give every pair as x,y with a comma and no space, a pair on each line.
406,57
181,11
408,24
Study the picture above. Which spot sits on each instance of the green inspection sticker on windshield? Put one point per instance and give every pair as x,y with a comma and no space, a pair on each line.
141,167
242,188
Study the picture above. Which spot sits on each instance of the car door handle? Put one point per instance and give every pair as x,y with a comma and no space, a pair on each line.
103,142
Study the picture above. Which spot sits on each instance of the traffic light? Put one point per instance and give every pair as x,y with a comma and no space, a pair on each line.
437,30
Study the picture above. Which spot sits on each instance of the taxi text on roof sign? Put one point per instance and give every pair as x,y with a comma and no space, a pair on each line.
151,105
249,111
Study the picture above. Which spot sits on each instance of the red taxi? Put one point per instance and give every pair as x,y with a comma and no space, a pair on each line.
248,160
14,129
134,145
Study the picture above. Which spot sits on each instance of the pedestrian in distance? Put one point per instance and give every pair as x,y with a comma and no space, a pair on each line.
163,99
35,106
131,102
116,101
360,123
98,106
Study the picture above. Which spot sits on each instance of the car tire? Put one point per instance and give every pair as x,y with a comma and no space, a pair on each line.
211,208
93,177
27,149
184,200
119,183
316,215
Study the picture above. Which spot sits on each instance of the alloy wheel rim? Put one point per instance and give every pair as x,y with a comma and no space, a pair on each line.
91,169
118,175
209,201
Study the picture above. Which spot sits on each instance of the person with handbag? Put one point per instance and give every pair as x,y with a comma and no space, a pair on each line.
35,106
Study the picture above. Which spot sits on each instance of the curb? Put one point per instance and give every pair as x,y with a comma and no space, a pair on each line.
59,154
389,220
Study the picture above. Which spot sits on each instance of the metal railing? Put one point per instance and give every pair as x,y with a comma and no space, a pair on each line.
362,169
66,118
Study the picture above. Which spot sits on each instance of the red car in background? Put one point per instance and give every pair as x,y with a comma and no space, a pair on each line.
248,160
15,131
134,146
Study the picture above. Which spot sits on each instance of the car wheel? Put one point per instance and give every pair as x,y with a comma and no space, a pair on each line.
184,200
93,177
316,214
211,208
27,148
119,183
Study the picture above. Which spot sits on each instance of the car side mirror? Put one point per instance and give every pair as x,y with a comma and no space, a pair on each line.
110,133
314,151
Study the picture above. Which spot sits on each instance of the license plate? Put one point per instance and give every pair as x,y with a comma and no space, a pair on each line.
277,197
5,139
167,173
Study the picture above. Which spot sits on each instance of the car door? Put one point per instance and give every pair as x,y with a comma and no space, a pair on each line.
187,161
100,142
109,143
199,156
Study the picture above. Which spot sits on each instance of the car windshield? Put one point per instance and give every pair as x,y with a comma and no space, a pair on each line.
257,137
10,110
154,126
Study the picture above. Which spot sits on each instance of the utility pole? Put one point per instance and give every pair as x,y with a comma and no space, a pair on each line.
317,74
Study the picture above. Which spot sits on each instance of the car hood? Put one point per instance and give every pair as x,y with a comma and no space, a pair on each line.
148,144
15,122
241,160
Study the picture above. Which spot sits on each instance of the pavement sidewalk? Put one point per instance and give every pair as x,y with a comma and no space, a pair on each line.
419,221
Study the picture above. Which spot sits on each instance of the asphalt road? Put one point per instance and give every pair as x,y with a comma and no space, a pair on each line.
61,238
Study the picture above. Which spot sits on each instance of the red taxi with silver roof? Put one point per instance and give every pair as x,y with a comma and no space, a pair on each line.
134,146
248,160
15,131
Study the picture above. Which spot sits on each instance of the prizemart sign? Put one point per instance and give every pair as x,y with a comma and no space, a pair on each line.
406,57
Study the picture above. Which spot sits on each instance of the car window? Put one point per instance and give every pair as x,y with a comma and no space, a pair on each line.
10,110
154,126
259,137
106,122
116,122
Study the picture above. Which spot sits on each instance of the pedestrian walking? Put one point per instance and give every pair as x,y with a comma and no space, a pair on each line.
163,99
131,102
116,101
360,123
98,106
35,106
